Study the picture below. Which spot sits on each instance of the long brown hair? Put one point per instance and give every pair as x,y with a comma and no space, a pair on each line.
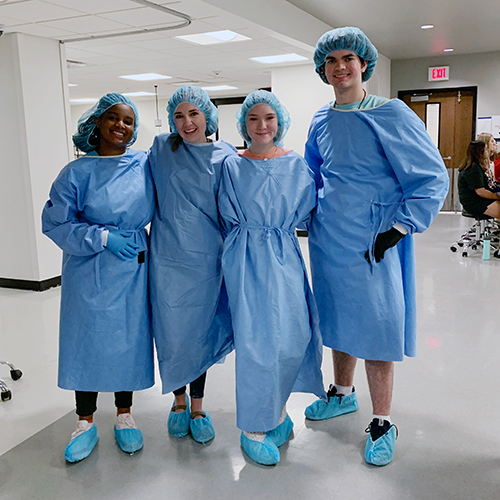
175,141
475,154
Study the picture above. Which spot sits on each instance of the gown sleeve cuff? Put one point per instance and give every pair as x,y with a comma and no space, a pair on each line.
104,236
400,228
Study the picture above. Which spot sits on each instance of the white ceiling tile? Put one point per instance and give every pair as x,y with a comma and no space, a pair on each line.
143,16
87,25
41,30
10,21
34,11
96,6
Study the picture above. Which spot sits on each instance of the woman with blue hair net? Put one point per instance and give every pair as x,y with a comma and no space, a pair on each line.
191,321
97,212
265,193
380,179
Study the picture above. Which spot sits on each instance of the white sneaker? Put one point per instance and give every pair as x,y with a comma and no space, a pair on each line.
81,427
255,436
125,421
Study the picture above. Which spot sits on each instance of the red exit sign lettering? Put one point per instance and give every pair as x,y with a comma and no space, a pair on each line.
439,73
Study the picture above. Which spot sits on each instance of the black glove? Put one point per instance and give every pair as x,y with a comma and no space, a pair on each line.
383,242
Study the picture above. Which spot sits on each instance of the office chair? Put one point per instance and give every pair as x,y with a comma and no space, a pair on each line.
15,374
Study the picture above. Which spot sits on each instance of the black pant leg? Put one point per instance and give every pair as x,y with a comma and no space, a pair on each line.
86,403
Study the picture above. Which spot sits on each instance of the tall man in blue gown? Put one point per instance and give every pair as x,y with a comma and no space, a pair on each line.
380,179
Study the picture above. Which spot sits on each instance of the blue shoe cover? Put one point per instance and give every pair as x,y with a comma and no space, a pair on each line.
337,405
81,446
202,429
265,452
178,423
129,440
280,434
381,451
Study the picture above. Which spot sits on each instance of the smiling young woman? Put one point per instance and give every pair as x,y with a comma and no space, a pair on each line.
98,209
191,320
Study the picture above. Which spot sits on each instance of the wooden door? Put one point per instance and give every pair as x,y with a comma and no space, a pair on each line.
449,116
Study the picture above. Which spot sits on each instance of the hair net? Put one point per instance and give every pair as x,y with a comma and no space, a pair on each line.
199,98
348,38
263,97
85,137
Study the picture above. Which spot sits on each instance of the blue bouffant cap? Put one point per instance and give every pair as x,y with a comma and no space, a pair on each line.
197,97
348,38
263,97
86,124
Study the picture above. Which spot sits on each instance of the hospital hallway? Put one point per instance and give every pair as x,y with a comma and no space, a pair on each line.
448,445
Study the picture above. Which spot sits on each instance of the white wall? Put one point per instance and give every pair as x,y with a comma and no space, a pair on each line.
481,70
33,141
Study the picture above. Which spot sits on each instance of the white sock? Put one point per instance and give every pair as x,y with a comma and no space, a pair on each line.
381,418
255,436
343,390
283,415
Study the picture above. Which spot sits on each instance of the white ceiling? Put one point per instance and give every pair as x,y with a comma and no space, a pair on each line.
275,27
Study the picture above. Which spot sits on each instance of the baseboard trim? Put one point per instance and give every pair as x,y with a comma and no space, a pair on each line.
35,286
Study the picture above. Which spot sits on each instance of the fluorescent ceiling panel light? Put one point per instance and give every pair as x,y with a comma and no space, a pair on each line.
213,37
279,59
145,77
220,87
427,26
448,50
72,84
87,99
137,94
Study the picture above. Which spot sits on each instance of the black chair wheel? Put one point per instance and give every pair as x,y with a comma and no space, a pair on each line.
453,249
460,244
497,254
6,395
474,247
464,254
16,374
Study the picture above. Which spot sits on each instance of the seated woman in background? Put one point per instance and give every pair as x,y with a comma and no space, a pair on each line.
473,182
494,159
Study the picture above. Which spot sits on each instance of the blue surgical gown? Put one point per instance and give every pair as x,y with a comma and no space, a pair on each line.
106,343
276,330
375,167
191,321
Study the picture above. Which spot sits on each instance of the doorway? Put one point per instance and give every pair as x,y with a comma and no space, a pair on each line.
450,118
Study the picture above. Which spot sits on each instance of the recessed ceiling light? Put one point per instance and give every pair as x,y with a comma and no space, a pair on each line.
213,37
138,94
278,59
72,84
88,99
448,50
427,26
220,87
145,76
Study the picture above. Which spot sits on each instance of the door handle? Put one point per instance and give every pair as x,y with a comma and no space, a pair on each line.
447,158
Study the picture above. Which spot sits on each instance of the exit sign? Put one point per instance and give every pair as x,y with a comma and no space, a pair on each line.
439,73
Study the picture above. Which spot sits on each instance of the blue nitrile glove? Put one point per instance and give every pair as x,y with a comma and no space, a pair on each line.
119,243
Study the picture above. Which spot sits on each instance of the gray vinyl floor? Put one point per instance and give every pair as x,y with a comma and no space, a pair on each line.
448,445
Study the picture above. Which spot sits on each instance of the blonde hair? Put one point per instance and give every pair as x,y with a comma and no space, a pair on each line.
486,138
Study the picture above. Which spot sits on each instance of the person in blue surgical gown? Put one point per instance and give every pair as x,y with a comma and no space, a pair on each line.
265,193
191,321
380,179
97,212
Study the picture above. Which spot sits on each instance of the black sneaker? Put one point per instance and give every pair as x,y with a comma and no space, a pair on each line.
332,391
379,427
